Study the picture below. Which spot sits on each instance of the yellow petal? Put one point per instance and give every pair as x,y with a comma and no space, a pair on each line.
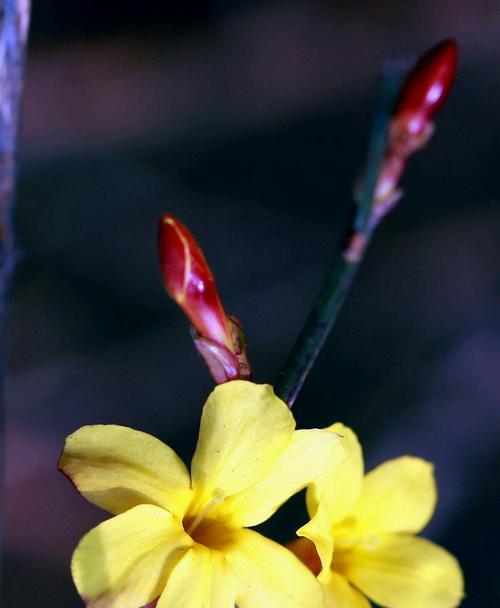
402,571
319,530
270,576
117,468
340,594
311,455
202,579
398,496
125,561
244,429
342,489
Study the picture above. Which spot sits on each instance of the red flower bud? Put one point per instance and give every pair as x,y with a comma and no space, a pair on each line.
190,282
426,88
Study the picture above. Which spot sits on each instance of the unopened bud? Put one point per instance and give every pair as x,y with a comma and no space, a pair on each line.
190,282
423,93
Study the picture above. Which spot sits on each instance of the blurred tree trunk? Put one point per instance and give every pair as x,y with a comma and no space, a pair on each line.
14,21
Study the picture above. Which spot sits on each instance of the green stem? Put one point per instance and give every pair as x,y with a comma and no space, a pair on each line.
388,90
316,330
339,280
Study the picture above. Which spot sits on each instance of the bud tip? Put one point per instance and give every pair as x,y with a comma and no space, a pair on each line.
428,84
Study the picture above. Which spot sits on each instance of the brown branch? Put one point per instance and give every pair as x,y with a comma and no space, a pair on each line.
14,21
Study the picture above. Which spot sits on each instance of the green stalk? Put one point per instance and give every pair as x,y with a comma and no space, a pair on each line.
339,280
316,330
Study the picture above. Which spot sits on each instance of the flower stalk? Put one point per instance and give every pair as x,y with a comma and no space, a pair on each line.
403,124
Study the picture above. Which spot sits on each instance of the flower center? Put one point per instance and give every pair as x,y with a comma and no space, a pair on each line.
213,533
209,531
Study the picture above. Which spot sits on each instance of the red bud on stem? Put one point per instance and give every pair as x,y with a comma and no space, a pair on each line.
426,88
190,282
422,94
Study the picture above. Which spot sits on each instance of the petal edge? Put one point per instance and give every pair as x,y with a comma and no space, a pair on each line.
403,571
399,495
269,575
117,468
244,429
311,455
341,489
125,561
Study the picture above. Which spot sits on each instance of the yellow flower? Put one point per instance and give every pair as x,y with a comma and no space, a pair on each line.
182,538
363,530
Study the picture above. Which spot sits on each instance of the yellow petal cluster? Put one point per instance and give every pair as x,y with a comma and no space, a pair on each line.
181,538
363,528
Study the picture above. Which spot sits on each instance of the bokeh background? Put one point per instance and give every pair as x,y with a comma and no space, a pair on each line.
249,120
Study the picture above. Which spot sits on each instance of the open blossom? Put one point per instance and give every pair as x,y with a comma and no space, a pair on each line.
363,529
182,538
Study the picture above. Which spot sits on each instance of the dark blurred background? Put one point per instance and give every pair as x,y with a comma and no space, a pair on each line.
249,120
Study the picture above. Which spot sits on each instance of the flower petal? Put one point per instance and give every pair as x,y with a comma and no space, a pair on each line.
125,561
117,468
340,594
341,489
269,575
311,455
398,496
402,571
244,429
319,530
202,579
